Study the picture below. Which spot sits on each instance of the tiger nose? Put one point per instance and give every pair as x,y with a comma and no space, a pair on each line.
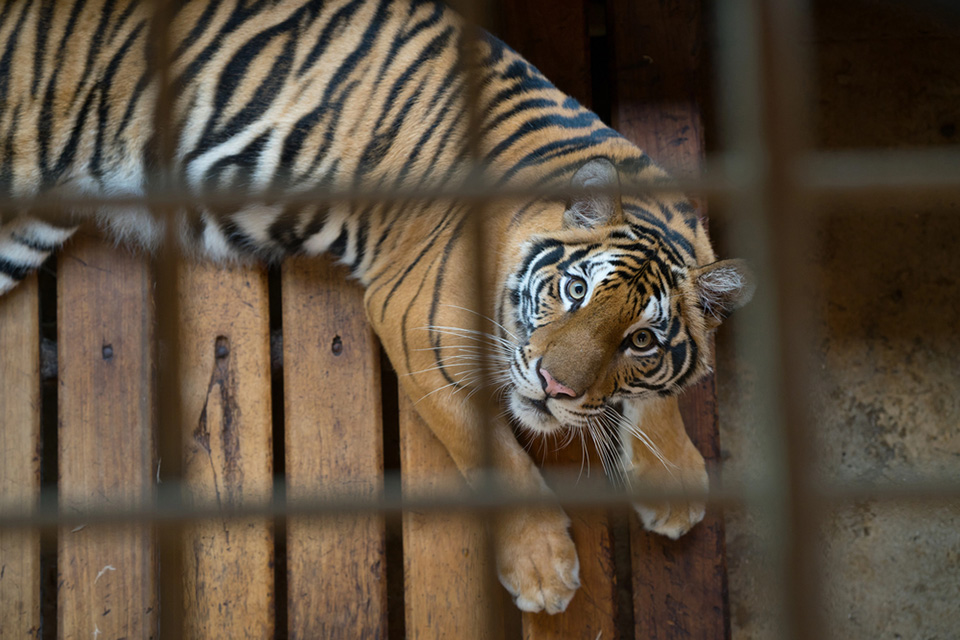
554,388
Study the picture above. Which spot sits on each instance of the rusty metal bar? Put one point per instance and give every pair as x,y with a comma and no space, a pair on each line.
926,174
763,70
476,14
167,301
785,77
169,507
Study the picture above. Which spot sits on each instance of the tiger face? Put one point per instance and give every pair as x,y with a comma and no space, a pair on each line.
605,310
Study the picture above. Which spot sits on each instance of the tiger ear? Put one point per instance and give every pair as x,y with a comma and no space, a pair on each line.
723,287
599,202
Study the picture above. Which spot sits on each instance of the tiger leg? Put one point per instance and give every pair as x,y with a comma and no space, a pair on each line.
536,558
25,243
667,460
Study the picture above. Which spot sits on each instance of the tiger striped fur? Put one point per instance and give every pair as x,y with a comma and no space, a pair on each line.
601,305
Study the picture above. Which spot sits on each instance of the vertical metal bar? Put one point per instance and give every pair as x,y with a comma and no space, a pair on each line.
787,81
170,446
763,74
477,14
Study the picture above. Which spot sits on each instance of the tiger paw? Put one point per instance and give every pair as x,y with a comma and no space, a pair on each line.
675,518
537,561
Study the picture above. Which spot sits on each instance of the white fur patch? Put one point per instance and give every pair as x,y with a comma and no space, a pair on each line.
6,283
715,286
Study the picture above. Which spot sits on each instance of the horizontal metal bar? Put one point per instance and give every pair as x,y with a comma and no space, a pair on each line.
170,506
476,192
822,174
850,173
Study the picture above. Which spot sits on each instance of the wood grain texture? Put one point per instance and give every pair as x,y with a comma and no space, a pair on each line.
20,456
334,446
657,64
680,587
553,36
593,611
105,319
226,417
444,554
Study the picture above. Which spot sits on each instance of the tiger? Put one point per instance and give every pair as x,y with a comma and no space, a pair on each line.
601,297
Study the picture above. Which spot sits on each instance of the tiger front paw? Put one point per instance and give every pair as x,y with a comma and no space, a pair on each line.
537,561
675,518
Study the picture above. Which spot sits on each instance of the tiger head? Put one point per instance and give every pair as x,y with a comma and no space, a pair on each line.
610,303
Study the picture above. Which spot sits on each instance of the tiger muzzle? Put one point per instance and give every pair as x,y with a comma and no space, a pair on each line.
576,356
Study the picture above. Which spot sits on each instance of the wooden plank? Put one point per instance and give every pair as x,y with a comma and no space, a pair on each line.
593,611
444,554
105,321
679,586
334,446
225,373
657,57
553,36
20,455
559,47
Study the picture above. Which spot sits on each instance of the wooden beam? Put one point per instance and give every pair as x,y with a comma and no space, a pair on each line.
20,455
226,415
445,556
105,320
680,586
334,446
656,68
553,36
593,611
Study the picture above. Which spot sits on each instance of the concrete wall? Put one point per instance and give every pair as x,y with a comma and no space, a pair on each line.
886,341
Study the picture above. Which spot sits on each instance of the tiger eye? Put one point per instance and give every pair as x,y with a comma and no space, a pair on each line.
642,339
576,288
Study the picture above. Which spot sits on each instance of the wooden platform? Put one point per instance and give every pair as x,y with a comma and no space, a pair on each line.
337,577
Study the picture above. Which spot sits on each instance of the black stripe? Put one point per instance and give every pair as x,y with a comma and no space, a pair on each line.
104,86
559,148
96,43
6,72
669,235
283,230
536,250
122,20
198,28
339,246
582,120
363,226
576,255
16,271
241,14
435,302
232,77
335,25
520,107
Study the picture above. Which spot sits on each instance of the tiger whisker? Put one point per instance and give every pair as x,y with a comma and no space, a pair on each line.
503,328
584,457
470,334
614,445
599,438
642,436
